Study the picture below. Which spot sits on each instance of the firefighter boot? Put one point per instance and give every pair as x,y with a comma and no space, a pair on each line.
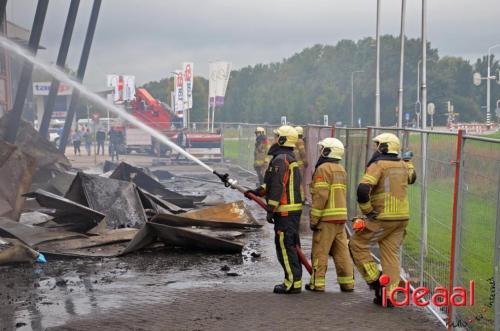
378,300
314,289
281,289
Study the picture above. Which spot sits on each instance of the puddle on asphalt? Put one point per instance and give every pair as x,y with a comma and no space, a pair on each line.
39,297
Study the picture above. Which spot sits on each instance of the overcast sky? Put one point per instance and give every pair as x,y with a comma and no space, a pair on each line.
150,38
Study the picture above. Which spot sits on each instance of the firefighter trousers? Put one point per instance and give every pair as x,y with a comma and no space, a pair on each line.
286,238
260,170
331,239
389,235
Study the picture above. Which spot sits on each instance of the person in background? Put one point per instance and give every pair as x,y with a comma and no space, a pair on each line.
77,141
114,143
87,139
100,138
260,157
182,141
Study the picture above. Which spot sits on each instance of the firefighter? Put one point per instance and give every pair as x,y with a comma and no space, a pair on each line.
261,159
284,206
300,149
328,215
383,199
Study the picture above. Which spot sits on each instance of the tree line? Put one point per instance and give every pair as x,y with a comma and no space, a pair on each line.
317,82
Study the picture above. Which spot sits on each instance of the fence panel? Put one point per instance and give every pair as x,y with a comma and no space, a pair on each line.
478,213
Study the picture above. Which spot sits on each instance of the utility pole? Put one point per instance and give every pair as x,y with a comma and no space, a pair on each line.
352,95
424,65
82,66
377,71
61,60
27,70
401,64
488,87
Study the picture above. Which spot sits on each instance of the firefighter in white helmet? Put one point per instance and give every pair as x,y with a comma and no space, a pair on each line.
261,159
383,199
284,198
328,215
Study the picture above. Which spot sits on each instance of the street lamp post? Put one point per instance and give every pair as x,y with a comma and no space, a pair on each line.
352,95
401,64
418,107
377,70
488,86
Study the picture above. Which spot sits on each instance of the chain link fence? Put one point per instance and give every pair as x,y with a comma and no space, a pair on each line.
453,235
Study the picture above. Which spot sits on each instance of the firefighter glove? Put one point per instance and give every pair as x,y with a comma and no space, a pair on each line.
372,215
359,224
269,217
314,226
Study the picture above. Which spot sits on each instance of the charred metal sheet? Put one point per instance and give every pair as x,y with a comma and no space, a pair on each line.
48,159
143,238
184,237
127,172
33,235
117,199
229,215
70,215
155,202
109,166
16,173
14,251
60,183
162,174
76,246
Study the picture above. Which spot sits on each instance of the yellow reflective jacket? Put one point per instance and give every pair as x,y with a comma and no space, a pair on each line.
300,153
261,159
388,197
328,192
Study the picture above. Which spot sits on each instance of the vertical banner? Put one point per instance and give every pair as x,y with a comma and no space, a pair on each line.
179,94
219,77
187,68
123,87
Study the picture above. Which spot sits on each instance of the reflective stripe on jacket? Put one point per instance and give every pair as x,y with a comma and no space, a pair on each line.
328,192
282,180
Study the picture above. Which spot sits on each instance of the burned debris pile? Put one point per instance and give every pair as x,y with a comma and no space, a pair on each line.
126,209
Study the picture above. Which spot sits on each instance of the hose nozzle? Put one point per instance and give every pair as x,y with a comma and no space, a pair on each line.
224,178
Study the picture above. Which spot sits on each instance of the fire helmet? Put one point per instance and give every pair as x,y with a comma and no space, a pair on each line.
332,148
287,136
388,143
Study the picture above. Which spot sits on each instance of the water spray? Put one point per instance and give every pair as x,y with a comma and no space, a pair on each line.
63,77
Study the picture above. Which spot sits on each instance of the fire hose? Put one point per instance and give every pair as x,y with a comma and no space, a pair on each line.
232,183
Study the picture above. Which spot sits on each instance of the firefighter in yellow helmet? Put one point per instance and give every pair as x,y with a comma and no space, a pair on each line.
383,199
300,153
300,149
261,159
283,195
328,215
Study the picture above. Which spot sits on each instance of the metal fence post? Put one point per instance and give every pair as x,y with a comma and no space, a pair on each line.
496,262
423,205
368,138
348,167
456,227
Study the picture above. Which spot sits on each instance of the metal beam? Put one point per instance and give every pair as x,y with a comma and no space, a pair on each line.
25,78
3,7
61,60
80,73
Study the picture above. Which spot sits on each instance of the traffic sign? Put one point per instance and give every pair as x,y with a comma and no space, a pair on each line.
407,116
431,108
283,120
497,112
476,78
325,120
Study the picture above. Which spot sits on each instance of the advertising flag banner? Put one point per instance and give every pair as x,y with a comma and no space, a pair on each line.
123,87
187,68
219,77
179,93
